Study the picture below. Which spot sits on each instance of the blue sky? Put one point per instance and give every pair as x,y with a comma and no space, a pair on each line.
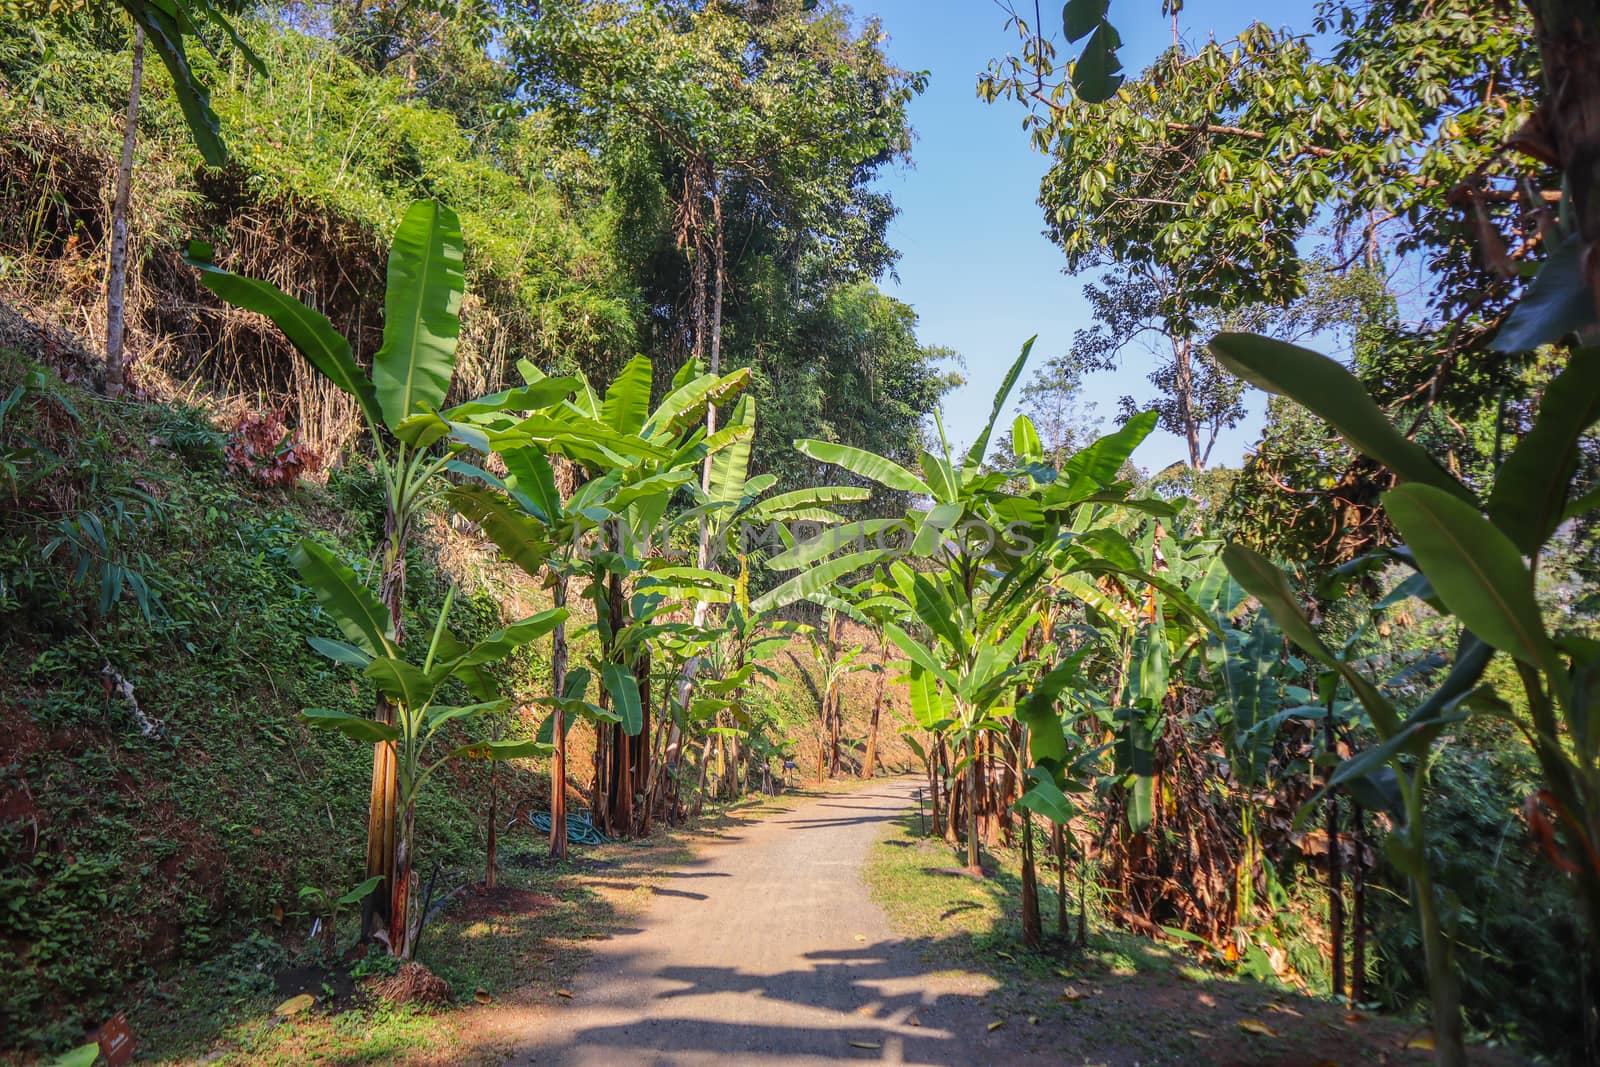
974,262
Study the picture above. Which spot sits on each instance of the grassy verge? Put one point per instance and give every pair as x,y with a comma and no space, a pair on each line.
504,954
1119,999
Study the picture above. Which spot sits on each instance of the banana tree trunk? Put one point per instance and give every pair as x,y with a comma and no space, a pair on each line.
1032,928
833,736
974,771
639,746
869,765
952,796
1058,845
490,868
117,274
403,932
558,724
385,857
1244,877
1335,866
705,763
616,787
1444,992
1358,906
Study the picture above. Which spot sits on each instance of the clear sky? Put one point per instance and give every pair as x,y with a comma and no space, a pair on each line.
974,262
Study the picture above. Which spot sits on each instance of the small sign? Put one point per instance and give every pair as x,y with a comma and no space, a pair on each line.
116,1040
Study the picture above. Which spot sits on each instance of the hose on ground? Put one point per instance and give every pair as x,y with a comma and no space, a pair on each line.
580,831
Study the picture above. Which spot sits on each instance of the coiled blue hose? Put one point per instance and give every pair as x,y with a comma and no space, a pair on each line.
580,831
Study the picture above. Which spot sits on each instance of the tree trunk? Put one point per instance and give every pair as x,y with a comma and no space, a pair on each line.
1183,387
833,736
974,772
117,275
402,930
1058,844
639,746
1358,906
616,790
705,761
1569,45
384,856
1335,865
1083,895
869,765
716,297
697,271
703,549
1444,990
490,869
952,797
1244,876
822,736
1032,931
558,727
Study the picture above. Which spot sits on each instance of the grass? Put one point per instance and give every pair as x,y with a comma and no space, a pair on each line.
1120,999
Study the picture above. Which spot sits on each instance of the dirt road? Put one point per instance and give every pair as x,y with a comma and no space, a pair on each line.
768,951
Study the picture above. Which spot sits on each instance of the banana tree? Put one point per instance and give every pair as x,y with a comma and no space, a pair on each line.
413,734
1476,559
544,535
965,666
641,462
399,406
740,517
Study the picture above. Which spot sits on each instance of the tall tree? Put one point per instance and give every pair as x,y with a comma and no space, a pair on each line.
163,26
1220,158
117,270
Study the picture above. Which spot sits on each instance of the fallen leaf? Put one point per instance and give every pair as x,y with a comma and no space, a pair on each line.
481,995
1033,1020
1421,1041
1063,973
913,1019
294,1004
861,937
997,1024
1073,993
1201,1034
1006,956
1256,1026
1355,1017
564,993
865,1044
1207,999
1283,1010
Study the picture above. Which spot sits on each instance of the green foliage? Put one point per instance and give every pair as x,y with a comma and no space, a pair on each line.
347,157
1510,921
127,864
1216,161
